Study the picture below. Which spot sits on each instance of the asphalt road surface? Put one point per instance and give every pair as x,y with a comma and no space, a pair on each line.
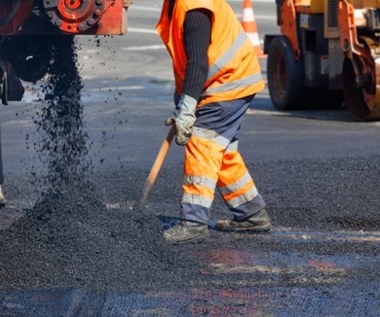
91,253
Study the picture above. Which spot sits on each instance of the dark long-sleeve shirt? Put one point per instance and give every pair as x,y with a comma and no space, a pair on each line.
197,34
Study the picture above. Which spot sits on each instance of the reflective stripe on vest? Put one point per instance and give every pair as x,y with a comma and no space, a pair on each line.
244,82
227,56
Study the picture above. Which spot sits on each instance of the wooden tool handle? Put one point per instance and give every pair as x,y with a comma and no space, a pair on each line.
160,158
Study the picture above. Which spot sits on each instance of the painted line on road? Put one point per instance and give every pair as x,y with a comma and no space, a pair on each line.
144,8
339,235
266,112
258,17
117,88
139,30
143,48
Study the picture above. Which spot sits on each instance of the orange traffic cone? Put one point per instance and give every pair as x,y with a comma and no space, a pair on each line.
250,27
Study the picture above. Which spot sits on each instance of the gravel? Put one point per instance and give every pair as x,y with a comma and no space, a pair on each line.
80,229
96,240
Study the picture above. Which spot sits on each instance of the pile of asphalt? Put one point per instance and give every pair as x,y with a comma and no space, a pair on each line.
69,238
73,240
84,233
95,240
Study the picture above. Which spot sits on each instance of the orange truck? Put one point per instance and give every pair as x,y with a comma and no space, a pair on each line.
25,24
328,53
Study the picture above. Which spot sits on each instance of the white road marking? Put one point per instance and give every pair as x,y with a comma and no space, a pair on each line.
139,30
144,48
143,8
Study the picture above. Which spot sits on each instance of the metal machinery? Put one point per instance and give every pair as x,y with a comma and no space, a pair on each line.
27,25
328,52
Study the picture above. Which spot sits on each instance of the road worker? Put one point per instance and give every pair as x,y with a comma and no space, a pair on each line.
217,75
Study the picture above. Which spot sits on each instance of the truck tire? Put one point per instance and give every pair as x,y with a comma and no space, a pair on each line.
285,76
354,98
29,56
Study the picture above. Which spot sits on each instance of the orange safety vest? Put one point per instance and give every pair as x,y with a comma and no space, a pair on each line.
234,70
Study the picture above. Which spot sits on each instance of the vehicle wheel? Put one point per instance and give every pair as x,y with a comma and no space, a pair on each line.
354,97
285,76
29,56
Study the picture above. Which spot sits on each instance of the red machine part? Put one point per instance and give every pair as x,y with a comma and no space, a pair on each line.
76,16
103,17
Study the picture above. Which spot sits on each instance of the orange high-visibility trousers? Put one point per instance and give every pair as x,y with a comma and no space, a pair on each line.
212,161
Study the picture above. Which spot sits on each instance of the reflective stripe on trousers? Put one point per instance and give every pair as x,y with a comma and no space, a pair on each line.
212,161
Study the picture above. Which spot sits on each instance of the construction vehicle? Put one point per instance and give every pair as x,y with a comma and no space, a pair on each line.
27,26
328,53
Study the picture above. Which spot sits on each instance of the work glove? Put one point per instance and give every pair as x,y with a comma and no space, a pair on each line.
183,119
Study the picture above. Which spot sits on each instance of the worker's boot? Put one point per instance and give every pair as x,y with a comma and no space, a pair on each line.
259,222
3,201
186,232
